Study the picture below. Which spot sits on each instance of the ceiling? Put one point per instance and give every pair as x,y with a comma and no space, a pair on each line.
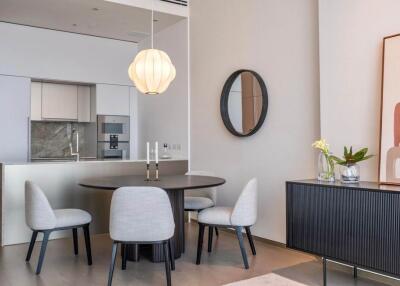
89,17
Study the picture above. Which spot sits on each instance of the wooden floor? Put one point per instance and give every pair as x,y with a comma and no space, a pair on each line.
223,265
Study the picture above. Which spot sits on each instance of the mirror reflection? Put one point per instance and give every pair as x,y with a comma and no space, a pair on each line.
245,103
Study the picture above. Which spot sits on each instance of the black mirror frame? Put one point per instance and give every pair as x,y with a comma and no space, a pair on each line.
225,97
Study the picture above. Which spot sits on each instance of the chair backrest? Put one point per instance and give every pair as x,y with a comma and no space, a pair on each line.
245,211
38,213
141,214
206,192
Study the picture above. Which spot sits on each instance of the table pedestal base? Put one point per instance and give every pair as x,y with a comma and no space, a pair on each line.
155,252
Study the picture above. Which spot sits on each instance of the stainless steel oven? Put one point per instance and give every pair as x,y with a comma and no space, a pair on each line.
113,137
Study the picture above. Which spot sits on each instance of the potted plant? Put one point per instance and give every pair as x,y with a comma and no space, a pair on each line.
349,169
326,165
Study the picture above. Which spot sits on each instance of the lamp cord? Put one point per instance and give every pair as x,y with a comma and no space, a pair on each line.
152,23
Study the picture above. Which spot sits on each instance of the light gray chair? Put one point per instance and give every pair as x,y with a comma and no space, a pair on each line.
243,215
142,215
199,200
40,217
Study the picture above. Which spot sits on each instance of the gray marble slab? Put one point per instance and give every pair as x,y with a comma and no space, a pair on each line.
51,139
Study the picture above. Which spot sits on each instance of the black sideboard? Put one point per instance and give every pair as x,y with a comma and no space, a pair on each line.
355,224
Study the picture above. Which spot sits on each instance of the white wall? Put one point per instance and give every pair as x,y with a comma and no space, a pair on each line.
40,53
351,39
279,40
164,118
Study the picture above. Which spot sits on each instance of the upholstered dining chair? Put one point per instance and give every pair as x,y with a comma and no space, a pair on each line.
242,215
40,217
198,200
142,215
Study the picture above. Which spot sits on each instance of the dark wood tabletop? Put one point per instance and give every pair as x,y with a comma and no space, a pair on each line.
169,182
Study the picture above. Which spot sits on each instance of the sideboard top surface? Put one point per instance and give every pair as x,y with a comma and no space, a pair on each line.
361,186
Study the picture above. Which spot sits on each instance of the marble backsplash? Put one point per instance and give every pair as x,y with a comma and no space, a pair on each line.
51,139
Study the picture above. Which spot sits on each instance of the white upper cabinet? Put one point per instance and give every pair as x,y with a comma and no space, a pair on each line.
14,118
36,101
83,103
112,99
59,101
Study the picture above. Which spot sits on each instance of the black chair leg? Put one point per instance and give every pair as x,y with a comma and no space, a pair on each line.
31,245
123,254
167,263
112,264
200,243
75,238
241,244
216,231
250,238
171,254
210,238
324,271
46,235
87,243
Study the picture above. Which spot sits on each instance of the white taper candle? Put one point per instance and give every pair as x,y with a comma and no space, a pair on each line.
77,142
148,153
156,152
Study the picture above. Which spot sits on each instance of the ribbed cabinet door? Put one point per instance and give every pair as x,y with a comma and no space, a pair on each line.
359,227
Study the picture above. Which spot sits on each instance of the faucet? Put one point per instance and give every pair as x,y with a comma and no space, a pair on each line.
77,145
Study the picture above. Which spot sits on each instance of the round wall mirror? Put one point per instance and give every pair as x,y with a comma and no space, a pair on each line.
244,103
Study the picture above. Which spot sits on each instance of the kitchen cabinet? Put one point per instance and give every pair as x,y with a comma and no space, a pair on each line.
36,101
112,99
62,102
14,118
83,103
59,101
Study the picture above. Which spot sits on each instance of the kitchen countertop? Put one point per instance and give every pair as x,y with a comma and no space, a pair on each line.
87,161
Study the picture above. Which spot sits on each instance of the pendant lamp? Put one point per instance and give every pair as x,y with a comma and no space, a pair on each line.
152,70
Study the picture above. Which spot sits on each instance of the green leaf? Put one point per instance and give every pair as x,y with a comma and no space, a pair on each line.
338,160
350,158
360,154
365,158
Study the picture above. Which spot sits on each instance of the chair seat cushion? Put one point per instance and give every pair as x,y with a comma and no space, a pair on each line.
198,203
71,217
215,215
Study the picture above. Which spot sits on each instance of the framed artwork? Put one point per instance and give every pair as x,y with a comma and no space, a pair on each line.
389,153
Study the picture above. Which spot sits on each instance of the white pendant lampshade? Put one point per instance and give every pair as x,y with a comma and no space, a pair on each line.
152,71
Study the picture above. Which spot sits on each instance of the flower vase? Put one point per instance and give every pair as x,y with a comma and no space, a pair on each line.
350,174
326,171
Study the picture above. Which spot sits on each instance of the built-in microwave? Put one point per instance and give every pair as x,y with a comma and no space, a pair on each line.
110,126
113,137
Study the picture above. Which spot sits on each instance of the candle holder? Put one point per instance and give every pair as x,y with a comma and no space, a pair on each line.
157,178
147,173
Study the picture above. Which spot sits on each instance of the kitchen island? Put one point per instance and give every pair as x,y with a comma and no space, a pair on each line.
60,183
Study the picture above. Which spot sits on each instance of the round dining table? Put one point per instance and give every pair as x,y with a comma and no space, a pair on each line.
174,185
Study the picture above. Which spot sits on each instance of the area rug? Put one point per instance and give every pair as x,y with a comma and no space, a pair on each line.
270,279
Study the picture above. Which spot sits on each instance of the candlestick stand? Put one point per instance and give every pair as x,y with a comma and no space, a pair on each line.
157,178
147,172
